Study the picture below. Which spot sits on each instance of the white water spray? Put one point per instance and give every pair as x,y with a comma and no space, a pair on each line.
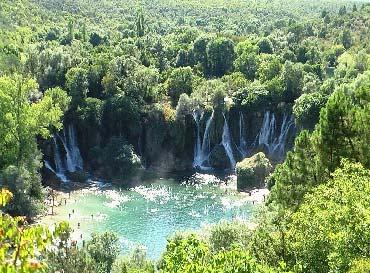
226,142
202,149
72,161
275,144
243,147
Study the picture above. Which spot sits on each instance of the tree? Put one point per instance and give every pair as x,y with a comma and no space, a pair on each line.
66,256
103,249
307,109
184,107
191,254
346,38
180,81
200,51
269,67
25,115
140,23
22,119
265,46
247,63
120,160
298,174
342,10
336,133
220,56
292,76
330,231
96,39
21,246
77,85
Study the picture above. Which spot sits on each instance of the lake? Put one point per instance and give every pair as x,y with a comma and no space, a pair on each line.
146,215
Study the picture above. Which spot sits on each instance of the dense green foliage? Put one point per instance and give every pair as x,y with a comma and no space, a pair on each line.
133,73
252,172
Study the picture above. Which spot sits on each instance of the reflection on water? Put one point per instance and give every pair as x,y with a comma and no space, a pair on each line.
147,214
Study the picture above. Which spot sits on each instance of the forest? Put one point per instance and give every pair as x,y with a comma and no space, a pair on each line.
274,95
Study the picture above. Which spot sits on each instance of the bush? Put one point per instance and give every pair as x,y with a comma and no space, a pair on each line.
120,160
135,263
307,109
180,81
189,253
184,107
103,249
227,235
27,191
251,172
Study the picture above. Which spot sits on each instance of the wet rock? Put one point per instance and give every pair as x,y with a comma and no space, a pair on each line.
252,171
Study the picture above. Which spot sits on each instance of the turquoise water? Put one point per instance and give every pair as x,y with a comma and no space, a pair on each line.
148,214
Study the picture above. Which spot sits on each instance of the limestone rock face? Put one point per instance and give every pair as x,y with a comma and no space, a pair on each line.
252,171
218,158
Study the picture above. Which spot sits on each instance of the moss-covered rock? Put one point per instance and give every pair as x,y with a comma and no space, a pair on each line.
252,171
218,158
78,176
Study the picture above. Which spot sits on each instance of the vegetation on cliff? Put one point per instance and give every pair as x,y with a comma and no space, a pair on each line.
129,77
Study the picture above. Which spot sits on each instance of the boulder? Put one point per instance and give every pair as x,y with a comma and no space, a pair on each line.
218,158
50,179
252,171
78,176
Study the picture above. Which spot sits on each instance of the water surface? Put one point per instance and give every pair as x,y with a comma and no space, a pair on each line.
148,214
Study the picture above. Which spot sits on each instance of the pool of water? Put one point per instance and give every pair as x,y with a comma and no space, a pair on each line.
148,214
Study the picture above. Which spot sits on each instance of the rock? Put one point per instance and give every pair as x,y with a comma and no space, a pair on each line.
252,171
78,176
50,179
218,158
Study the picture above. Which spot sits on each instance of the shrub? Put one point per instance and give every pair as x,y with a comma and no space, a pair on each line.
120,160
227,235
251,172
27,191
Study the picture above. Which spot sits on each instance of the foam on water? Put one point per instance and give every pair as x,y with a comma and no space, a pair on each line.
147,214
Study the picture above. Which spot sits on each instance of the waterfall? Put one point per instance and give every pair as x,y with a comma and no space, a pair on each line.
71,161
279,144
243,148
206,144
59,166
73,155
77,162
267,136
226,142
202,149
198,145
59,174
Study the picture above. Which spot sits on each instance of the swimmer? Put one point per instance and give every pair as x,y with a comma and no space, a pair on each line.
69,216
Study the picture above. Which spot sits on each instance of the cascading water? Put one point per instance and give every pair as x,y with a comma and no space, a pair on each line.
202,149
275,144
243,147
75,155
279,144
72,161
226,142
198,145
266,134
59,174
